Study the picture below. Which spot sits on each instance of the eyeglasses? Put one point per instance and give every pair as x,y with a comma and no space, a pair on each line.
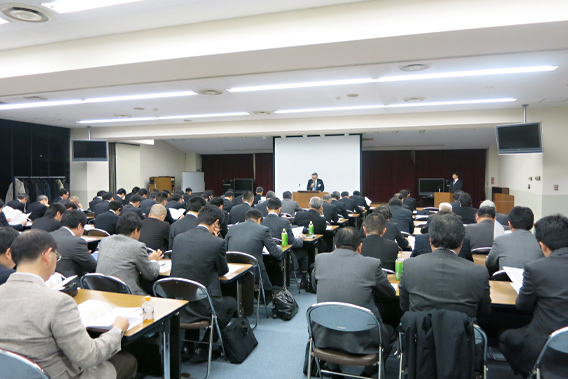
57,255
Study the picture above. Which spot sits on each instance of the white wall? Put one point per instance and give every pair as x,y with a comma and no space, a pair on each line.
128,166
162,159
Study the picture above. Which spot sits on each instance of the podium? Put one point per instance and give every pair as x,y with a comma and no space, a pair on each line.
503,202
442,197
303,197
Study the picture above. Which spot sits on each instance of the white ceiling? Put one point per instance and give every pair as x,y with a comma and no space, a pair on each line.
484,48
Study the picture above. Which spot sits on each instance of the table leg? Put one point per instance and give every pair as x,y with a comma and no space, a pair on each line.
239,298
166,349
175,348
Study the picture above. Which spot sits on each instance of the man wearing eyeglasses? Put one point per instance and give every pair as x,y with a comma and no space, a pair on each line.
44,325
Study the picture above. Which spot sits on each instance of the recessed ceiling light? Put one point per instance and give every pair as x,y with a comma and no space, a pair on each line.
415,67
210,92
415,99
69,6
186,120
25,13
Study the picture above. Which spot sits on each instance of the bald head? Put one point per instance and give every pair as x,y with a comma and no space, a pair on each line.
158,211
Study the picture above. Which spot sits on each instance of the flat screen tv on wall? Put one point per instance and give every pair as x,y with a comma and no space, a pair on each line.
89,150
519,138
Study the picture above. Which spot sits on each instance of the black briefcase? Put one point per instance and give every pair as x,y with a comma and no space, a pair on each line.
238,340
285,304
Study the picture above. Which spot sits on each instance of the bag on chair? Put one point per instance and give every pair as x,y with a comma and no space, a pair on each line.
285,304
238,340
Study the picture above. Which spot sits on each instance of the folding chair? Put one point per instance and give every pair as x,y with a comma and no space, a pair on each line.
558,341
16,366
97,233
500,276
481,250
100,282
387,271
193,292
344,318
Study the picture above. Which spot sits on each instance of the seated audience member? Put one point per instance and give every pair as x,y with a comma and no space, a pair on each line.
189,221
44,325
38,208
134,206
102,206
456,203
350,204
19,203
517,248
544,295
127,197
442,280
4,222
228,200
401,216
374,245
75,200
251,237
124,257
393,232
52,219
345,275
223,229
360,201
75,256
238,212
187,195
7,236
120,195
146,204
257,196
499,228
443,208
70,206
262,206
313,215
176,202
199,255
465,210
107,221
341,211
481,233
289,206
407,201
143,193
329,210
62,196
155,231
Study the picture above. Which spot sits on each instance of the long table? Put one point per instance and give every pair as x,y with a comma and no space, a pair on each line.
166,320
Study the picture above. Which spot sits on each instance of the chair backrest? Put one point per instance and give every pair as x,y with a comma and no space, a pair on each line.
558,341
481,250
105,283
387,271
182,289
168,254
15,366
97,233
240,257
342,317
500,276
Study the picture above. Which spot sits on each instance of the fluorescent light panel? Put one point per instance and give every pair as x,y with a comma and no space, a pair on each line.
69,6
3,21
324,83
187,116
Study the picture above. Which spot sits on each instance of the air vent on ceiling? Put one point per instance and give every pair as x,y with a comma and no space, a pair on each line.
35,98
25,13
210,92
262,112
414,67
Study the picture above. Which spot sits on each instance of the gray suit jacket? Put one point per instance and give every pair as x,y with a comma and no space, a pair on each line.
442,280
238,213
44,326
290,206
514,250
276,225
75,256
126,258
480,234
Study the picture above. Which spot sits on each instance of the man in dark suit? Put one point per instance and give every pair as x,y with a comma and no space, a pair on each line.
393,232
262,206
38,208
251,237
350,204
7,236
146,204
401,216
481,233
187,195
189,221
460,285
19,203
52,219
374,245
107,221
228,200
456,183
238,212
315,184
102,206
329,210
407,201
257,196
4,221
289,206
360,201
62,196
456,203
97,199
75,256
422,246
155,231
199,255
465,210
129,195
176,202
341,211
120,195
218,202
544,294
345,275
313,215
134,206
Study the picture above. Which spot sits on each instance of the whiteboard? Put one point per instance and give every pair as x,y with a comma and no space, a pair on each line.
194,180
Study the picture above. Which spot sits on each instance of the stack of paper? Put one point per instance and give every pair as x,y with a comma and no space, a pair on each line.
14,216
516,276
165,266
98,314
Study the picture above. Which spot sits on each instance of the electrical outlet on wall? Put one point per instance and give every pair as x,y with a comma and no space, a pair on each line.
556,187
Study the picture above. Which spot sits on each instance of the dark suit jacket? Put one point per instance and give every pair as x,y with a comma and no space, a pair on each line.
155,234
57,199
502,219
174,205
146,205
393,233
480,234
17,204
37,210
442,280
263,208
256,200
75,256
5,274
250,237
46,223
93,203
227,204
341,211
330,212
132,208
317,187
107,221
467,214
180,226
403,218
377,247
422,246
350,204
409,203
276,225
238,213
544,294
200,256
360,202
455,187
303,219
101,207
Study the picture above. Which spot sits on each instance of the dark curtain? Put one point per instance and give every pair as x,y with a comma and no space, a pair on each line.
386,172
264,171
221,167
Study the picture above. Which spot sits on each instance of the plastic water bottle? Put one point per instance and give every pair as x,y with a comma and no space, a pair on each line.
284,238
311,229
398,266
148,309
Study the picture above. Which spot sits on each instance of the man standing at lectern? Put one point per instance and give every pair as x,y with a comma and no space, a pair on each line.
315,184
456,183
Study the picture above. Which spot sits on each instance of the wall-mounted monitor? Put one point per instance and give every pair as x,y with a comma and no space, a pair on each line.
427,186
241,185
89,151
519,138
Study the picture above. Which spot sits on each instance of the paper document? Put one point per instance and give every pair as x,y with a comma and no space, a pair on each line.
410,239
15,216
328,227
54,280
98,314
395,286
516,276
233,268
89,226
176,213
368,201
165,266
297,231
